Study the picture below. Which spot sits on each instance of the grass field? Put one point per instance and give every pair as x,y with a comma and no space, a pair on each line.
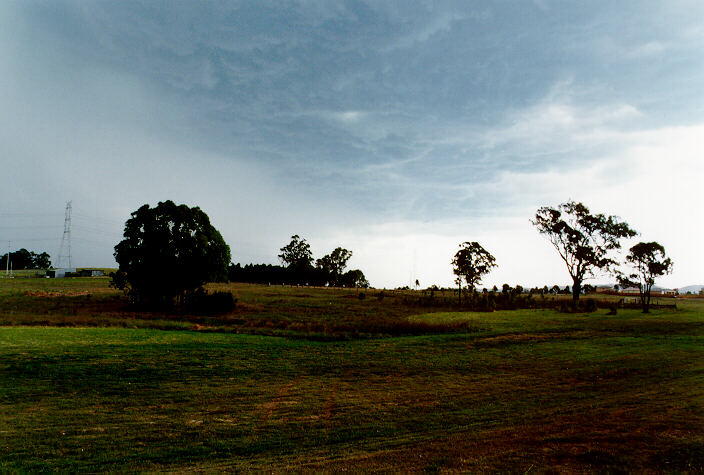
89,385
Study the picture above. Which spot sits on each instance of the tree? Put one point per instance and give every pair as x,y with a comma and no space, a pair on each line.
24,259
471,263
296,253
354,278
647,261
582,239
334,264
169,252
42,261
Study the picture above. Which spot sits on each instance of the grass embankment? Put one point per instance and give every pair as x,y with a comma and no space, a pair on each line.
529,390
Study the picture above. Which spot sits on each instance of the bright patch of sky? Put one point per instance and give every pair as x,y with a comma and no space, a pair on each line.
395,129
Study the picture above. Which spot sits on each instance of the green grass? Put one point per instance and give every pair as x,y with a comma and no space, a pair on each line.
522,390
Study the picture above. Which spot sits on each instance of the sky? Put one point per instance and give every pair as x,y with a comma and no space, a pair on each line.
395,129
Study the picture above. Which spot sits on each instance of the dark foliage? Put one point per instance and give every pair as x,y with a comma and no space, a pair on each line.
169,252
590,306
332,265
24,259
298,269
201,302
647,261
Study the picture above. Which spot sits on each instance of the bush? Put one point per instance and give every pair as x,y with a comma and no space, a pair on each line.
590,306
203,303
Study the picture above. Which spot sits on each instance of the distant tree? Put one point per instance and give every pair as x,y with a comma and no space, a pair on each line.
555,289
169,252
647,261
545,290
42,261
298,260
567,290
518,289
24,259
471,263
582,239
296,253
334,264
354,278
505,289
588,289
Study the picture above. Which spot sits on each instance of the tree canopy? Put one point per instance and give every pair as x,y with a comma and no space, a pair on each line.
647,261
170,251
472,262
354,278
582,239
296,253
332,265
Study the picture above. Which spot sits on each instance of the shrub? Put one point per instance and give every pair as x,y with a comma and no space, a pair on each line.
201,302
590,306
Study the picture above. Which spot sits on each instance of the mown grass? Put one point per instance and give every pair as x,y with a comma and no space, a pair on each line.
519,390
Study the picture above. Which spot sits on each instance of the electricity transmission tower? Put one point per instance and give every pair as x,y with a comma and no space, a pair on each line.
65,250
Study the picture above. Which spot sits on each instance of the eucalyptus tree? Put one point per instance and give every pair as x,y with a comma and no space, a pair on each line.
470,263
647,261
582,239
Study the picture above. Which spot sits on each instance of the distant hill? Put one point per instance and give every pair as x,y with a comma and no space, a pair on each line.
691,288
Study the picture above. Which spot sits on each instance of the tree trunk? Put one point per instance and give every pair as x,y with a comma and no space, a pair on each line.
645,299
576,290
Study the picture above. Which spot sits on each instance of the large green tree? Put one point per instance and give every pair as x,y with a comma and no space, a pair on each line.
582,239
647,261
168,252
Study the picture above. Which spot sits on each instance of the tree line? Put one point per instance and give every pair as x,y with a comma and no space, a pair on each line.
585,243
24,259
298,268
170,251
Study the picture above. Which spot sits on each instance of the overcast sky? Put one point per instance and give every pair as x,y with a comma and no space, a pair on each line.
394,129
